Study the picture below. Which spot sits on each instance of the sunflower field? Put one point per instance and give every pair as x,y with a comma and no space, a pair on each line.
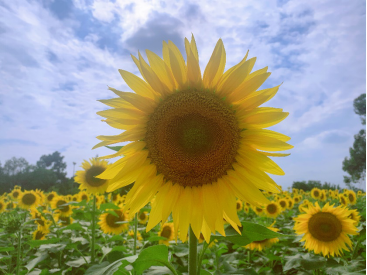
51,234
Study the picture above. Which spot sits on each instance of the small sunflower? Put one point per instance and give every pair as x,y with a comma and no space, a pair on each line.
40,233
296,199
261,245
303,206
325,230
143,217
246,209
197,142
272,209
2,206
50,196
315,193
343,200
87,177
138,236
352,198
9,205
322,195
109,223
63,221
354,215
41,194
60,205
283,203
239,205
28,200
258,210
37,216
290,203
167,231
359,193
15,194
83,196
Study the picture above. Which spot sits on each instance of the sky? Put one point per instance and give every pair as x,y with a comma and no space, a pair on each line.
58,57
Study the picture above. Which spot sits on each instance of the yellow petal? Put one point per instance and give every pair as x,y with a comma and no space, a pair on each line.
130,148
259,160
117,103
248,87
263,120
215,68
185,209
156,214
121,113
194,49
171,199
197,215
235,79
193,68
137,84
264,132
177,64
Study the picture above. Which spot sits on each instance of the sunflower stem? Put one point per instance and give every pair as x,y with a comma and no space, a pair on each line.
193,243
19,250
135,232
248,256
93,228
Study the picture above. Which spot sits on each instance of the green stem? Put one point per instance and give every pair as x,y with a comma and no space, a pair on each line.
248,256
193,243
201,256
135,232
93,228
19,250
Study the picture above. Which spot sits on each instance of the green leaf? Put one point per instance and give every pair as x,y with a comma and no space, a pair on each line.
312,262
108,205
156,255
115,148
250,232
204,272
35,243
74,226
35,261
79,262
105,268
6,249
116,238
156,238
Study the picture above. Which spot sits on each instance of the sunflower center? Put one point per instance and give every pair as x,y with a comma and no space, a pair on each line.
84,197
1,205
282,204
29,199
351,198
65,220
15,194
142,216
271,208
10,205
91,173
63,208
50,197
39,235
238,205
316,193
192,137
324,226
166,232
112,219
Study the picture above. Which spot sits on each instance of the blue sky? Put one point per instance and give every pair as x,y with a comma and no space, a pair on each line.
57,58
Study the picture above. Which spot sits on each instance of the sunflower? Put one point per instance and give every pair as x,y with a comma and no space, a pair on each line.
239,205
260,245
40,233
246,209
272,210
322,195
15,193
9,205
290,203
197,142
83,196
143,217
296,199
354,215
258,210
315,193
28,200
303,206
37,216
359,193
325,230
283,203
41,194
2,206
87,177
50,196
60,204
138,235
343,200
109,222
167,231
352,198
64,221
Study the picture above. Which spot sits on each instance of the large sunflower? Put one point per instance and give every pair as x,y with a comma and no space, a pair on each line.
87,177
325,230
197,142
28,200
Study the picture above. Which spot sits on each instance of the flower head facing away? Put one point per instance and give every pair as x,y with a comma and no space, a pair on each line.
197,143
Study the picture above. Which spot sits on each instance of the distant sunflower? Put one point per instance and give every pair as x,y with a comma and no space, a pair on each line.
2,206
83,196
138,235
167,231
109,223
239,205
290,203
272,209
143,217
343,200
15,194
359,193
322,195
9,205
87,177
283,203
50,196
352,198
267,243
63,221
315,193
197,142
296,199
59,203
258,210
28,200
325,230
40,233
354,215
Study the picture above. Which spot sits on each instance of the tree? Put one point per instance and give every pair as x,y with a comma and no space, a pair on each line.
355,166
55,162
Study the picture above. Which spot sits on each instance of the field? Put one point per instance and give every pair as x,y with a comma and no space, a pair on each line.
50,234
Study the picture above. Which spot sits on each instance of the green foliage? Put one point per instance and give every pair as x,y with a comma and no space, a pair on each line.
307,186
355,165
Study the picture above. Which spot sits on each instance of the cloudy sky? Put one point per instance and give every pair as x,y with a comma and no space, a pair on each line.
58,56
